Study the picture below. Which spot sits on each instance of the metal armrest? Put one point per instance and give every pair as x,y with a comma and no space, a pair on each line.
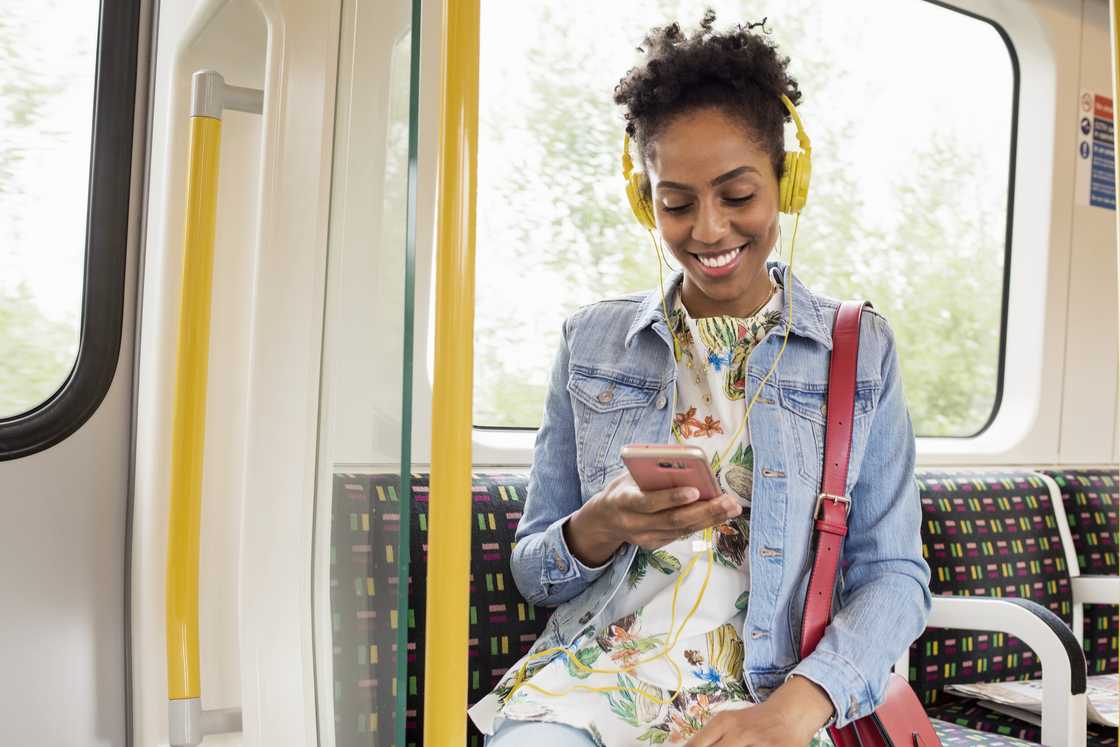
1096,590
1092,590
1063,663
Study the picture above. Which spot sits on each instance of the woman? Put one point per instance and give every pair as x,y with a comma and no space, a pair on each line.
620,661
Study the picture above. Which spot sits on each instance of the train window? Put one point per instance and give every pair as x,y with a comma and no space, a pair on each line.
66,121
912,157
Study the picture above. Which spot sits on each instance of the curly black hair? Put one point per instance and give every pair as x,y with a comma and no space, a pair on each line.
737,72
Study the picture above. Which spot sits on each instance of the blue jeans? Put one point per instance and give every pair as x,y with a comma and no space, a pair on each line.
539,734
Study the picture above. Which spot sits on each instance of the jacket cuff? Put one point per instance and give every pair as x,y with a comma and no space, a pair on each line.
846,688
560,565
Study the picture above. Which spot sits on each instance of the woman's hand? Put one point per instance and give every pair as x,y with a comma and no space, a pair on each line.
789,718
622,513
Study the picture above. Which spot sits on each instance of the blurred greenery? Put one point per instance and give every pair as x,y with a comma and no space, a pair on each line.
935,271
36,351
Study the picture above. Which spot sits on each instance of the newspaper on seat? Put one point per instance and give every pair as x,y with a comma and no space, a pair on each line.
1023,700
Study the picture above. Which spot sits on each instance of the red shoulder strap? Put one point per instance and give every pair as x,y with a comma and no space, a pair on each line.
831,509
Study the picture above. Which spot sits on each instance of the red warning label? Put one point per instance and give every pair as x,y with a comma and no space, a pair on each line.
1103,107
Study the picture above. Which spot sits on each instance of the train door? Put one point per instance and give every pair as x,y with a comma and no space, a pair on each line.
305,383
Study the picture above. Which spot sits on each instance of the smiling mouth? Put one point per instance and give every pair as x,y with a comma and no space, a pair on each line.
715,261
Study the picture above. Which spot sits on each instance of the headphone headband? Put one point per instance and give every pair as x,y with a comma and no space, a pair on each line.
802,137
627,161
793,188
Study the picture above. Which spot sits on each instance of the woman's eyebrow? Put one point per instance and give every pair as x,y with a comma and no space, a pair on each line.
715,182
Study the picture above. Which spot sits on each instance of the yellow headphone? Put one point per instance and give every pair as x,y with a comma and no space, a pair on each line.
793,189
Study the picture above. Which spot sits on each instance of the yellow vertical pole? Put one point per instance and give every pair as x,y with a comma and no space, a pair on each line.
449,533
189,418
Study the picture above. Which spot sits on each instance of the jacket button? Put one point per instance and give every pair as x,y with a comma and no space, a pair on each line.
661,402
561,564
606,397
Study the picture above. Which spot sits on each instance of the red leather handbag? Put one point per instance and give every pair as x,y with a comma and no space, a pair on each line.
900,720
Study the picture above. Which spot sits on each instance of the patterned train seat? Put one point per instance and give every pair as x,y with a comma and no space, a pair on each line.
987,534
364,538
1092,498
364,543
990,533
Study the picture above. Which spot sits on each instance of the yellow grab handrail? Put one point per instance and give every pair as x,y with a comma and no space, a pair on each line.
189,419
187,722
449,533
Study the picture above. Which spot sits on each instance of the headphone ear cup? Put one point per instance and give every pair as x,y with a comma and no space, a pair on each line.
793,190
785,186
636,192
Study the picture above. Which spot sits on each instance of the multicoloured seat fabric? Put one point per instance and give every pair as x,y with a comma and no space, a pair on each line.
364,544
1092,499
364,556
953,734
967,713
987,534
365,527
993,533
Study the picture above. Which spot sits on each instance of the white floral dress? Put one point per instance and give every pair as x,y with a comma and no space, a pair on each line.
629,697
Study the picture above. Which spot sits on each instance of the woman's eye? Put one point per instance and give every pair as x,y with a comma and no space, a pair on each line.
687,205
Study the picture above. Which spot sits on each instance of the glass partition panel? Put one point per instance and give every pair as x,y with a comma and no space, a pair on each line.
362,496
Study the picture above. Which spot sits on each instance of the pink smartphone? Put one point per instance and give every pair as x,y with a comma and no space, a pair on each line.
663,466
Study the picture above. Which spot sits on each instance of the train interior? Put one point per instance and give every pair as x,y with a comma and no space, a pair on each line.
280,286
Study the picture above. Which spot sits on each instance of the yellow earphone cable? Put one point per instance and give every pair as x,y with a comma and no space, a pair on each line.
670,644
708,538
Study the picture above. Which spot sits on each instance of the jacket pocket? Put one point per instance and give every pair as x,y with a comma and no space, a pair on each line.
805,412
608,406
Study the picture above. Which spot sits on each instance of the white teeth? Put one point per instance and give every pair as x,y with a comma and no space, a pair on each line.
719,260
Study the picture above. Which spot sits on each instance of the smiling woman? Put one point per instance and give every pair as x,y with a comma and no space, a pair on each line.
621,662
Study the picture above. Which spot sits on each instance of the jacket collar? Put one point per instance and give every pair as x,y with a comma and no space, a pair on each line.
808,321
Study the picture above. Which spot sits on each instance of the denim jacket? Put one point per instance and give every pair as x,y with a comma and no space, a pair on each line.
611,384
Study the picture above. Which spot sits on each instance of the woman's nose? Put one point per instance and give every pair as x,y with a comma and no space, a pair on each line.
711,224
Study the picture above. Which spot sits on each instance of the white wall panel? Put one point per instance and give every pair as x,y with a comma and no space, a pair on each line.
1089,392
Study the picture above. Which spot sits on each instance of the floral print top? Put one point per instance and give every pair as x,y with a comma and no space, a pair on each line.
611,681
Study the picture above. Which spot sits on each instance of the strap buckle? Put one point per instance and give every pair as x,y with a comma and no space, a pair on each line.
835,499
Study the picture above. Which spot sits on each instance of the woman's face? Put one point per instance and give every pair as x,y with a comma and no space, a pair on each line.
715,198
